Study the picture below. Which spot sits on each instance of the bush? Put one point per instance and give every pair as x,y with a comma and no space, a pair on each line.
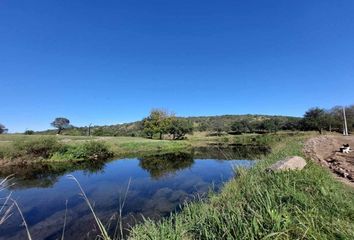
29,132
87,151
43,147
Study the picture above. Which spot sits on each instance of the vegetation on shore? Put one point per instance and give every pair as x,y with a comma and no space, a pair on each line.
307,204
50,149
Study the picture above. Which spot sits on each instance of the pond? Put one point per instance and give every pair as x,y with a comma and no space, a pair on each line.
157,185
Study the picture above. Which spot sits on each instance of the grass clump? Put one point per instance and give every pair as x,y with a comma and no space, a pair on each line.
92,150
307,204
50,148
43,147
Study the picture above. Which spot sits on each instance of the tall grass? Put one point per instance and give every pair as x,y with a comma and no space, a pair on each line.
307,204
57,148
8,206
50,148
100,225
43,148
91,150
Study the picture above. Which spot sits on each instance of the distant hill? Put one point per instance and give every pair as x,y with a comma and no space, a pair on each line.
203,123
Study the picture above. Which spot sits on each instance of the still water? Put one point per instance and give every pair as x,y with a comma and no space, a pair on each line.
158,186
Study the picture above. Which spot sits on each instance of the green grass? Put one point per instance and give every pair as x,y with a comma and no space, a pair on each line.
73,148
307,204
124,146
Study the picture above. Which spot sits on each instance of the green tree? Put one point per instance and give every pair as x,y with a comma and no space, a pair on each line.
178,128
3,129
236,127
270,125
156,123
61,123
29,132
315,119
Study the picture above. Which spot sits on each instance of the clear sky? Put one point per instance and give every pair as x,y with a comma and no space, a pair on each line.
106,62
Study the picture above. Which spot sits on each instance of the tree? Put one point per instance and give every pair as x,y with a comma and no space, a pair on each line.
156,123
270,125
218,127
61,123
29,132
349,111
240,126
315,119
3,129
237,127
291,124
178,128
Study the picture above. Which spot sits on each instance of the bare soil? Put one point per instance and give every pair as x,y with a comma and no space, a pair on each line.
325,150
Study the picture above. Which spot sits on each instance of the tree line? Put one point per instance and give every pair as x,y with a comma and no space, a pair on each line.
161,124
320,119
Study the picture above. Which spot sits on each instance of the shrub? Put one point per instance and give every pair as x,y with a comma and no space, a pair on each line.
29,132
87,151
43,147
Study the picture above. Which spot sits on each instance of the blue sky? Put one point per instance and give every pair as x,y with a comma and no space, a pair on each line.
106,62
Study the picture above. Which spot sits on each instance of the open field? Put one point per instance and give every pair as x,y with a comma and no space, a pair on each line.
118,146
307,204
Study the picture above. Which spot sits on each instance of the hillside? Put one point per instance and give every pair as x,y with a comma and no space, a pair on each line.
222,123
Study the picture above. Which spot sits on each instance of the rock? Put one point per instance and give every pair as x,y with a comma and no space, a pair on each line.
290,163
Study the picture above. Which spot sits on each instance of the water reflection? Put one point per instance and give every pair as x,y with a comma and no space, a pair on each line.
159,184
157,165
230,151
162,165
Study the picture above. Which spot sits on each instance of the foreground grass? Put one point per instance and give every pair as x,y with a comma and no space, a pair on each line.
307,204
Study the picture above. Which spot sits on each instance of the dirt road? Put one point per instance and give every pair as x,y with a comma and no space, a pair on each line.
325,150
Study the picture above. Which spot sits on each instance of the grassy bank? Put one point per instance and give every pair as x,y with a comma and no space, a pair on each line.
307,204
20,148
37,148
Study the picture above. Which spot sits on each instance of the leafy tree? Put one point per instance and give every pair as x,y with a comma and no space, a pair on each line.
242,126
61,123
270,125
349,111
315,119
334,118
148,128
237,127
3,129
156,123
178,128
29,132
291,124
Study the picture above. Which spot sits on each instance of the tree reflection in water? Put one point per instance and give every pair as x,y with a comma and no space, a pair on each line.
162,165
158,165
